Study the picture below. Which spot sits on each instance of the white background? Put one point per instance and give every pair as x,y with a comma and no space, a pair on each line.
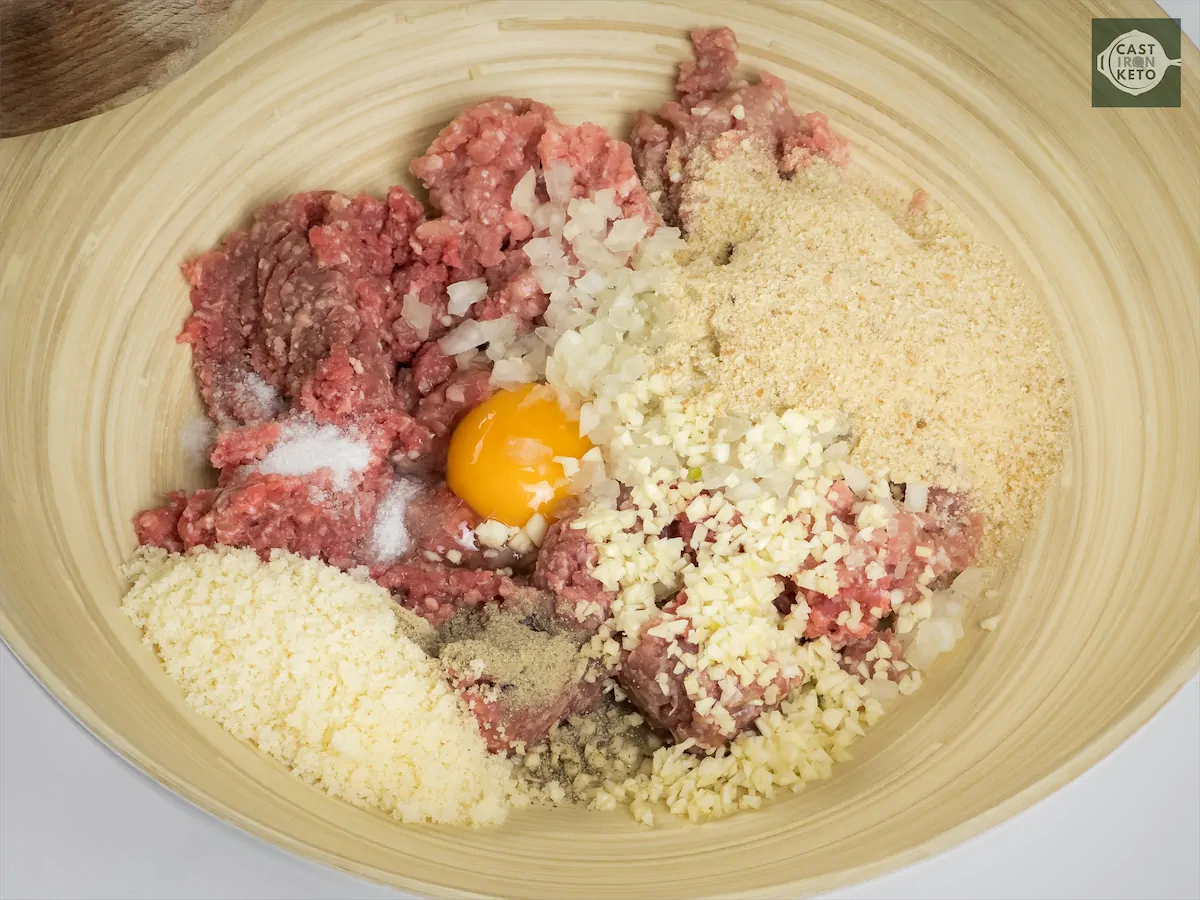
77,822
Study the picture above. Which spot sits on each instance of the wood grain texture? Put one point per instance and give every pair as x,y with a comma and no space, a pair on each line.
65,60
1100,209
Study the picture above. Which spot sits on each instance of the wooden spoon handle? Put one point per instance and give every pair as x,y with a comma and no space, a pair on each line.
65,60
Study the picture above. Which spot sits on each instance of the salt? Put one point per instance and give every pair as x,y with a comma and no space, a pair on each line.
390,538
305,447
254,392
198,436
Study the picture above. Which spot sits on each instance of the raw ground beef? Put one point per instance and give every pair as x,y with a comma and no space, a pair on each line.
580,601
297,303
301,313
652,680
654,677
948,531
298,319
519,670
504,725
712,104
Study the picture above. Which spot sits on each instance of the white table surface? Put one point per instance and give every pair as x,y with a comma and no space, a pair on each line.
1130,827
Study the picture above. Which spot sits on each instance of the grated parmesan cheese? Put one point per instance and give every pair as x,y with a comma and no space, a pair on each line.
310,665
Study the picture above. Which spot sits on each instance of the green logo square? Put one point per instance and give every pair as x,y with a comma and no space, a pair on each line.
1135,62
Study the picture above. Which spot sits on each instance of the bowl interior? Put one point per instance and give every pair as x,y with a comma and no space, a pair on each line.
1099,208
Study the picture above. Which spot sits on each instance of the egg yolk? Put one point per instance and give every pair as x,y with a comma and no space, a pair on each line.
501,459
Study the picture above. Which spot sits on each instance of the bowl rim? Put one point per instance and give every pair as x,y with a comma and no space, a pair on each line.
1088,756
1091,753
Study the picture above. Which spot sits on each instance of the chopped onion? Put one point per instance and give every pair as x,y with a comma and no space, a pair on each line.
883,690
591,282
551,280
728,428
544,251
501,329
417,315
743,490
779,482
856,479
916,497
970,583
589,418
594,255
524,199
510,372
541,217
714,475
466,359
625,234
464,294
584,217
605,201
837,451
466,336
658,245
560,179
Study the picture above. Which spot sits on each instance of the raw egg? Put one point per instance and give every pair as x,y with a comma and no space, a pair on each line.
502,455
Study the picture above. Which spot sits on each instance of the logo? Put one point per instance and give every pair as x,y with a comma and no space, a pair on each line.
1136,62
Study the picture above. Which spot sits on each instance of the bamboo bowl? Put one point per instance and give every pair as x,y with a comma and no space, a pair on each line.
1101,209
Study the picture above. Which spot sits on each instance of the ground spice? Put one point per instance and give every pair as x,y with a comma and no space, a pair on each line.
531,665
585,755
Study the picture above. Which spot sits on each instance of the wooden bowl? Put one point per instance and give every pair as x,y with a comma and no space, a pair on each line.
986,105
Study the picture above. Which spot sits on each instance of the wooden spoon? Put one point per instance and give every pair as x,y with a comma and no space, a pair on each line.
65,60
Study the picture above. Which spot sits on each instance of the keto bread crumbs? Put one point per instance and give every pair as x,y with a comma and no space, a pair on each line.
818,293
311,665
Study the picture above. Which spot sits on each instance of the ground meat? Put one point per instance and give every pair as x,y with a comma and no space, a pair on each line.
435,591
470,171
440,523
948,532
159,527
513,290
431,367
854,656
562,568
243,446
648,673
298,304
472,166
600,163
305,515
504,724
445,406
716,58
711,105
426,282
